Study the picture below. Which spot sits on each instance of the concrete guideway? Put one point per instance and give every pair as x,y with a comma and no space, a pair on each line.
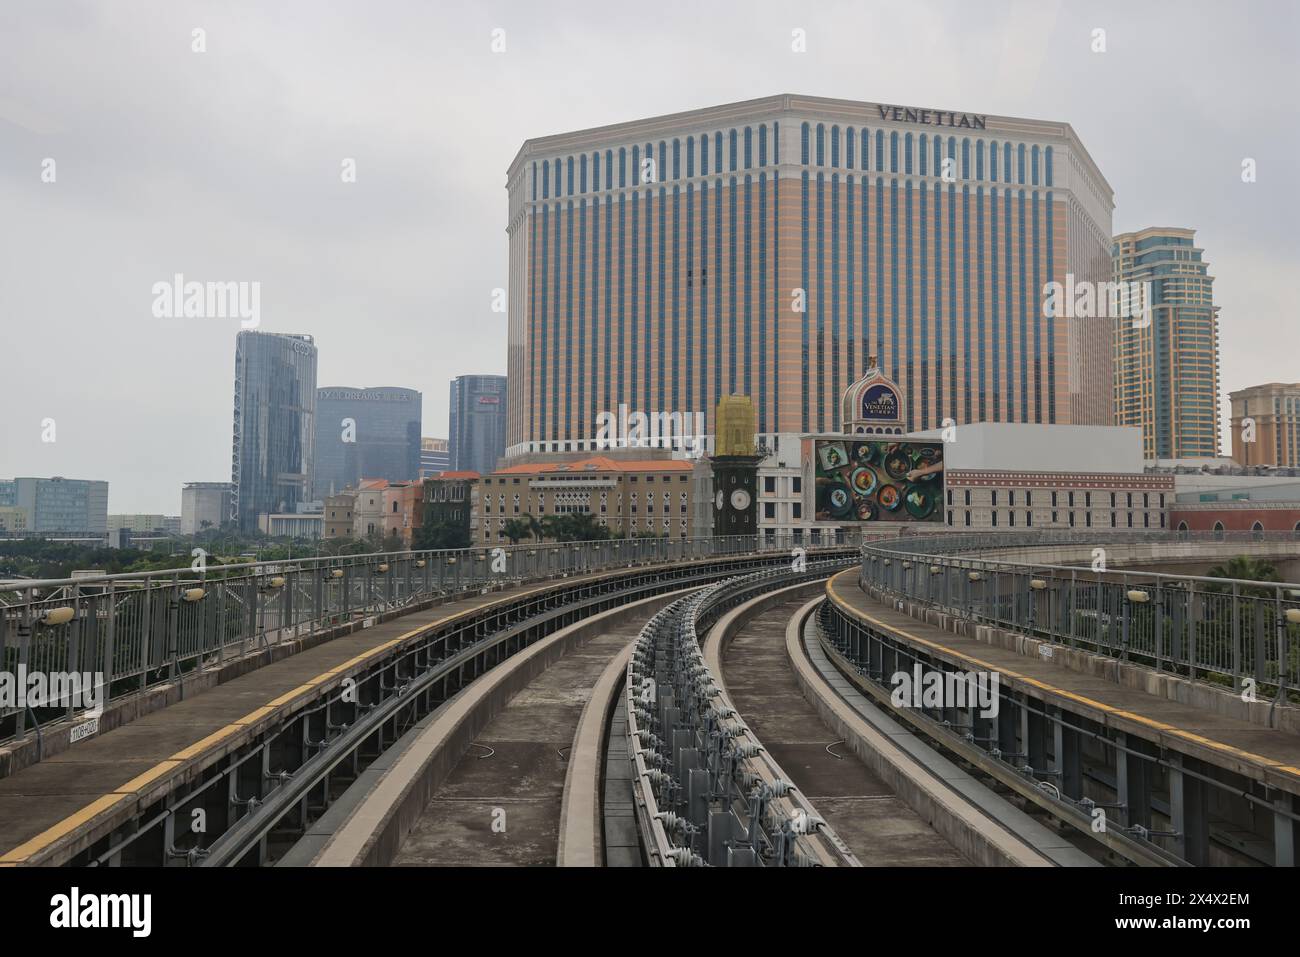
1227,779
878,827
55,809
988,829
540,719
1266,754
51,810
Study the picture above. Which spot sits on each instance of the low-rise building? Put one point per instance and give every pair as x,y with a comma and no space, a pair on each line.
368,509
292,524
1236,516
401,510
338,514
13,520
204,505
635,498
1027,475
138,523
448,498
60,506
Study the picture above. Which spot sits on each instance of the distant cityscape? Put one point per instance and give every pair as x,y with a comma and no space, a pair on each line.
802,254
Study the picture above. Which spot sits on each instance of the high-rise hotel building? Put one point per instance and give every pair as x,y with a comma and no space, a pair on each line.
768,247
1167,362
1266,424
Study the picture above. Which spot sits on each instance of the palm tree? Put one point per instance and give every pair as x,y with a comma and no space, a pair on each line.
1245,568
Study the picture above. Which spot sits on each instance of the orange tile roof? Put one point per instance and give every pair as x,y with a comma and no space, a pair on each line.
599,463
455,475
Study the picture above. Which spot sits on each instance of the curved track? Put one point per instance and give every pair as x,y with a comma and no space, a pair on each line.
503,802
876,824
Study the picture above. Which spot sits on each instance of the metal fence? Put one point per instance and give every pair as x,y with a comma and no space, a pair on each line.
1216,629
129,631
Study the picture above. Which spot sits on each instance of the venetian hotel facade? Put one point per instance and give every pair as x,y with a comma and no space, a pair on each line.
768,247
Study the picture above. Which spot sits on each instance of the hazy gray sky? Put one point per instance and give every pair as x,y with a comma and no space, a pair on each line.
225,165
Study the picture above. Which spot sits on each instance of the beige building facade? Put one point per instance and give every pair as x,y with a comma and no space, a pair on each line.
769,247
1266,424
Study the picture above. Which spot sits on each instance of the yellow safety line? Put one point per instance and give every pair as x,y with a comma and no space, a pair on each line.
831,589
21,853
131,789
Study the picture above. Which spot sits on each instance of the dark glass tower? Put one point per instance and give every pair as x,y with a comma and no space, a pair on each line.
274,431
365,434
478,422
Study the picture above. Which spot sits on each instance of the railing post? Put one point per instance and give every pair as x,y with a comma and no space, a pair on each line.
110,641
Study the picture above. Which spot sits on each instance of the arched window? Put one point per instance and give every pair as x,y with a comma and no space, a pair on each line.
821,144
1257,531
907,153
803,151
835,146
1218,530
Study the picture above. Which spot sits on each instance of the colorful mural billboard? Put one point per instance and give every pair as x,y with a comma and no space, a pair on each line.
857,479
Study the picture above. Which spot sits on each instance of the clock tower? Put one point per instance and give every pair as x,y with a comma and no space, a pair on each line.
735,468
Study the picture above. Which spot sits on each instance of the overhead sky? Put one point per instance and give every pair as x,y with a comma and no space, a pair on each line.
226,165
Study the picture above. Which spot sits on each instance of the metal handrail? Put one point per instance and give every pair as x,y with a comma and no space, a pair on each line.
1241,633
129,631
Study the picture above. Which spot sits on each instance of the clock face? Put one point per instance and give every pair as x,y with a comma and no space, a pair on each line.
718,500
740,500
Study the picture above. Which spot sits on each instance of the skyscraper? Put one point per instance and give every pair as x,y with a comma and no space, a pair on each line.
768,247
1167,364
274,425
477,423
365,433
435,456
1266,424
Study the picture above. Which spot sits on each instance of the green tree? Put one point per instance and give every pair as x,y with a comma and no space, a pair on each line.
1245,568
516,529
